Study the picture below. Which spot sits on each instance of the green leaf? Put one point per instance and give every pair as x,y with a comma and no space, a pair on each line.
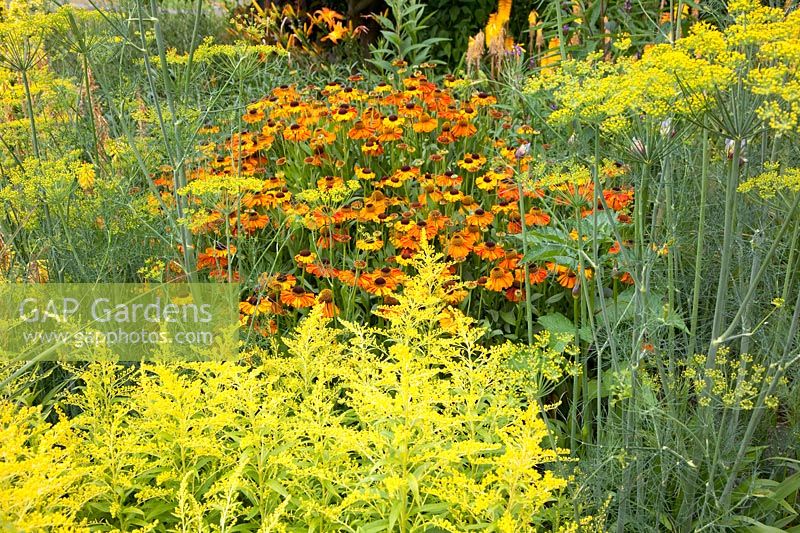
558,323
756,526
394,515
509,317
277,487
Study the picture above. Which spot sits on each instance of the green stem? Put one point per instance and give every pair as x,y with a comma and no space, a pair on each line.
560,19
528,305
790,271
778,372
29,108
727,254
765,264
698,258
90,106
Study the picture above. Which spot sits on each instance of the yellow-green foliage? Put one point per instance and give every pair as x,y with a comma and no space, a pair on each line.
42,475
411,426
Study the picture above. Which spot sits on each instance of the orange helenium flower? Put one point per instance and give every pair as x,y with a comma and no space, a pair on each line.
499,279
297,297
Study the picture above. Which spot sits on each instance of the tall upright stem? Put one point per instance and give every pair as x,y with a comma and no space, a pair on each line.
698,257
29,108
727,253
178,153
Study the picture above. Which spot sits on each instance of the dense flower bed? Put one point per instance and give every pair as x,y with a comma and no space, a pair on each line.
330,192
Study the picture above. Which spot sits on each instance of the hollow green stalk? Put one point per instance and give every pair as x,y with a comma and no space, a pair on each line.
727,253
698,258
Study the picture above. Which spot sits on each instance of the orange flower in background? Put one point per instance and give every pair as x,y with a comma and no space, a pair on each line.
536,274
515,293
377,285
360,130
446,136
618,198
536,217
252,115
499,279
458,248
566,277
463,191
425,124
371,243
297,297
278,283
322,269
464,128
296,133
325,298
483,99
480,217
250,220
364,173
305,257
489,251
388,134
254,306
372,147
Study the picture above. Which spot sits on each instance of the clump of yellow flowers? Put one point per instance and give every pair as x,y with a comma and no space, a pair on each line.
761,48
773,182
409,426
733,382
